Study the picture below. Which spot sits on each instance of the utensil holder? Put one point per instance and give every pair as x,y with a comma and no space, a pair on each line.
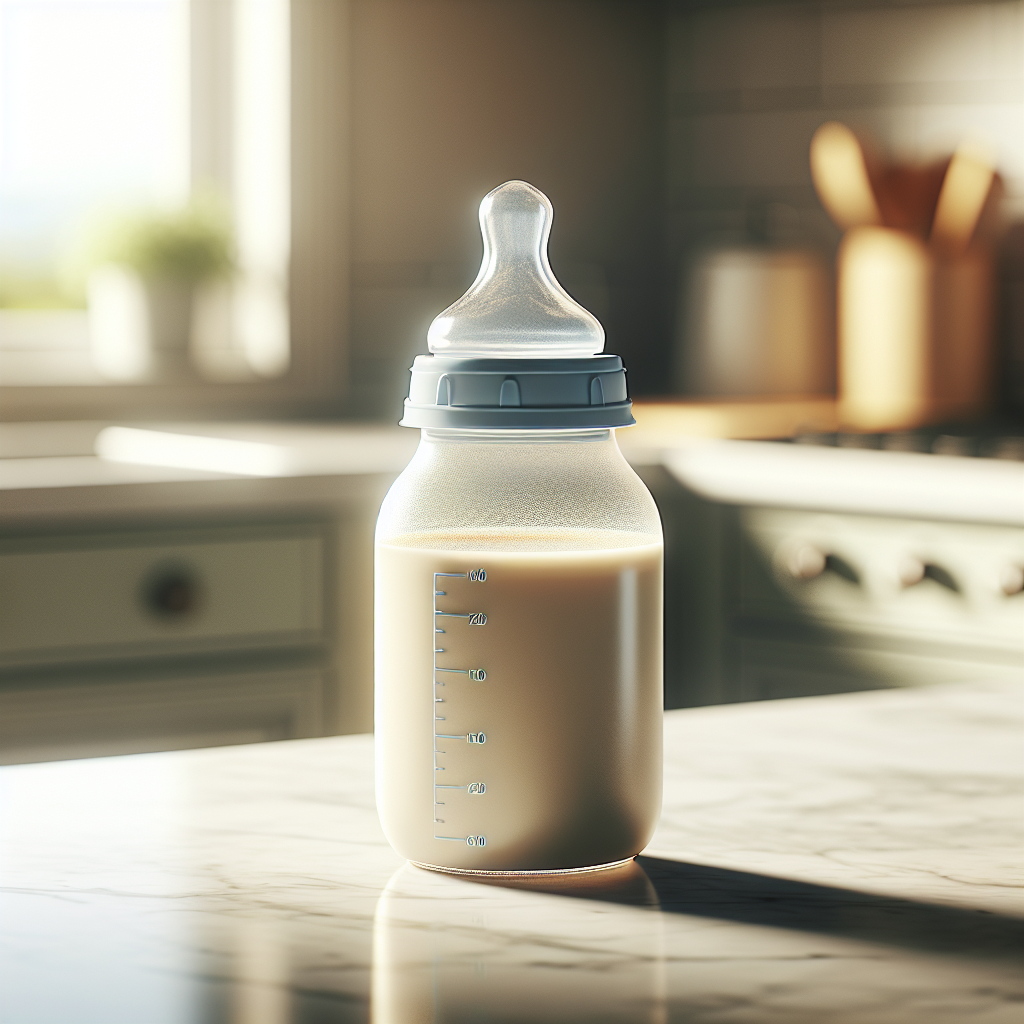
914,331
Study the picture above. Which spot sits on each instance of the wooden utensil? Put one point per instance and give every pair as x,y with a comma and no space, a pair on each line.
965,188
840,170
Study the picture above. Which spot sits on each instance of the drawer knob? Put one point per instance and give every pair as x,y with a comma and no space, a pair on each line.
1011,579
172,593
805,562
808,562
911,571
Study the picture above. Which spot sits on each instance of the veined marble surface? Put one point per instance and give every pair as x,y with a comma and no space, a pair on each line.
853,858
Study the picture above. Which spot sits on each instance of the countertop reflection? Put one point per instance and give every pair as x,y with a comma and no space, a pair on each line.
843,858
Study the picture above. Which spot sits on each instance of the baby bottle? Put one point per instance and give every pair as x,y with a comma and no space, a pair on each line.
518,605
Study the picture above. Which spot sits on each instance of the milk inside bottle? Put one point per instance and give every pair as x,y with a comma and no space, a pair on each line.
518,585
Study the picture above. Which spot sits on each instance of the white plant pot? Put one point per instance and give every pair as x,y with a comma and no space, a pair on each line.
140,329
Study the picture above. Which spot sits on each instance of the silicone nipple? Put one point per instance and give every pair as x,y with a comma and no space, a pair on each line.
516,307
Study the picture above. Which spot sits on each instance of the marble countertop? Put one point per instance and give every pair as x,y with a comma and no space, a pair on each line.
844,858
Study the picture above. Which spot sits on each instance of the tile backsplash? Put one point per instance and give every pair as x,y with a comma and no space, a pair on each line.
747,86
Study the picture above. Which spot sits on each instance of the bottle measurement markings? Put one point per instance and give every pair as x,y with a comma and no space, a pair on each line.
475,675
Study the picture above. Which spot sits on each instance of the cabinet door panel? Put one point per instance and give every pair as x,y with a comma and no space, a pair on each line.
91,717
770,669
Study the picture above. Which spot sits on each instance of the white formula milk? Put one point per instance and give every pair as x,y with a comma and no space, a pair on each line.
519,698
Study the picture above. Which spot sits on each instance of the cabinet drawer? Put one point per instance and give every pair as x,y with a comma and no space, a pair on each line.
98,716
160,597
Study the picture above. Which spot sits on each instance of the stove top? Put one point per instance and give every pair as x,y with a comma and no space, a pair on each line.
987,443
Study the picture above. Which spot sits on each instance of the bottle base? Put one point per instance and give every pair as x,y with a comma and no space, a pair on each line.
529,873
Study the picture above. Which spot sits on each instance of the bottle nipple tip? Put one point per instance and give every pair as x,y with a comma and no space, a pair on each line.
514,194
516,307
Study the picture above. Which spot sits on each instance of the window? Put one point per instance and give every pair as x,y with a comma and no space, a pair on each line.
108,106
92,117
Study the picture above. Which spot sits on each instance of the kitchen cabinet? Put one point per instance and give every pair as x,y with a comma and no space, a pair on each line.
149,607
793,570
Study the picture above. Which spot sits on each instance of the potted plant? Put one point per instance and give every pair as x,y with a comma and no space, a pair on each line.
148,270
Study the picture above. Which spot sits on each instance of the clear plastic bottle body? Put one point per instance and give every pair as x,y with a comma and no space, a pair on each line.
518,653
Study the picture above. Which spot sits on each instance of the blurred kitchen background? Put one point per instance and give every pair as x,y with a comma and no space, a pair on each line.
226,224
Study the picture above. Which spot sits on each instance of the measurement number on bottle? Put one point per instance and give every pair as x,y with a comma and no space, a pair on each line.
447,693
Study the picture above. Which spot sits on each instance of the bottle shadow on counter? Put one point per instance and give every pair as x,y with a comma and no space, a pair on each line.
743,897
